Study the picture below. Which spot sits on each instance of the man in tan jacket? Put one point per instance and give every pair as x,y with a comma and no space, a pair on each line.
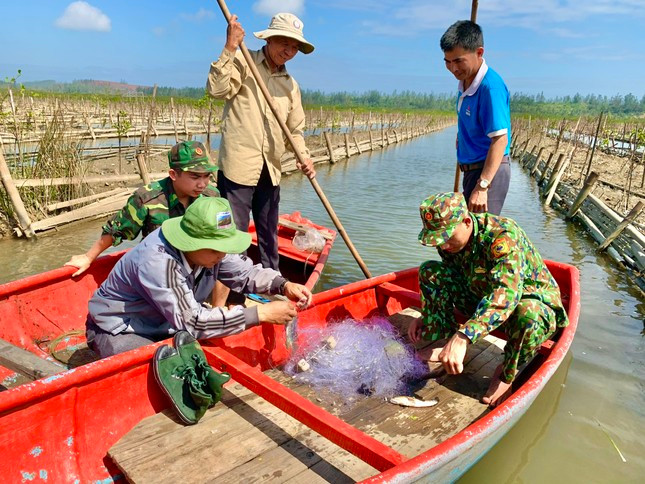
252,141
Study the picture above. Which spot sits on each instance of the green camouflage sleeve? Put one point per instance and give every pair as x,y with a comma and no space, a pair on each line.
506,282
127,222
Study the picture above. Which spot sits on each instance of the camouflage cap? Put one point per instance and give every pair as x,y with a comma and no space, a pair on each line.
440,215
190,156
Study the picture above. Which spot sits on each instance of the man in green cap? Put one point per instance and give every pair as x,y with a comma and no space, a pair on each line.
491,272
160,286
188,178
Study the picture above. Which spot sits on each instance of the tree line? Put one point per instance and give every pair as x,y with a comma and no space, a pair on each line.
532,104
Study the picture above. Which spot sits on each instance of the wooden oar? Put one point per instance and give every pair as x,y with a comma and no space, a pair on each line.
473,18
287,133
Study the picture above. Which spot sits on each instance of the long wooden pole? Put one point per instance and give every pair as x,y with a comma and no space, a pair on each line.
473,18
287,133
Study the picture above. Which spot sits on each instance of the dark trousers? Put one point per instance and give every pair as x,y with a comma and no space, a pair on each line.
105,344
263,201
498,188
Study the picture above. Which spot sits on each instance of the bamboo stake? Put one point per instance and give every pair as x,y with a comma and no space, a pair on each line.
14,196
556,182
537,161
358,148
287,133
330,148
629,219
546,167
584,193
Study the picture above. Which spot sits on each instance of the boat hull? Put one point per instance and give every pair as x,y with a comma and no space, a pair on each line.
62,426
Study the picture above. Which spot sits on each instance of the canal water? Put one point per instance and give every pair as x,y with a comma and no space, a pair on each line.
597,395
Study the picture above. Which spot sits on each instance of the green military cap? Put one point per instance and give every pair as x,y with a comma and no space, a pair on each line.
440,215
207,224
190,156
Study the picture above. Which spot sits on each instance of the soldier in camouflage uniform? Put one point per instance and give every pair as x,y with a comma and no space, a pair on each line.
490,270
188,178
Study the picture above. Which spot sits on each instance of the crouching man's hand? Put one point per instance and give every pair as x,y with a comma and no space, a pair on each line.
277,312
298,294
453,354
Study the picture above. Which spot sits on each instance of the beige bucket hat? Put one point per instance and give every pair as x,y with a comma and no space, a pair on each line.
286,25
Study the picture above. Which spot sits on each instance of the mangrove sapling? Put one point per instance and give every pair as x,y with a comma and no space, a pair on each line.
122,126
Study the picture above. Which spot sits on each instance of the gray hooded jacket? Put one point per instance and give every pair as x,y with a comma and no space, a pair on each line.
152,292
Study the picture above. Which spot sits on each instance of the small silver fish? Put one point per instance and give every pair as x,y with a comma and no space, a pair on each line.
405,401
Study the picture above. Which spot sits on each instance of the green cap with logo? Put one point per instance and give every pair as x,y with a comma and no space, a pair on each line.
190,156
207,224
440,215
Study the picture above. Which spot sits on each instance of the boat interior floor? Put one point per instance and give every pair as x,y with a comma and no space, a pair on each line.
244,438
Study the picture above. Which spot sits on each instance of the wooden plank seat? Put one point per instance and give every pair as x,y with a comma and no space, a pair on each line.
244,438
26,363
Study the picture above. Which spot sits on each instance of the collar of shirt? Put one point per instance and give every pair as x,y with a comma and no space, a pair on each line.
472,89
169,188
282,70
195,272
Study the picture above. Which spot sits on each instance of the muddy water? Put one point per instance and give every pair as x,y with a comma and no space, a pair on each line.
376,196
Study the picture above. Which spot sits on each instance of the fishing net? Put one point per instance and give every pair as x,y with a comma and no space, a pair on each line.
353,358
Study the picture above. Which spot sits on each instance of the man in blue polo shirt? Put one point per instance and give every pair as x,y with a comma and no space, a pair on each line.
484,119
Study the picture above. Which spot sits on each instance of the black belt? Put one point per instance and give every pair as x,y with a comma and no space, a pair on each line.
471,166
480,164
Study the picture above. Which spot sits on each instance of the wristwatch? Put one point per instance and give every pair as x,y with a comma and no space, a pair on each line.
483,183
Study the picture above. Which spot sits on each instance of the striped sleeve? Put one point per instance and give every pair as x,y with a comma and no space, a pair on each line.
167,289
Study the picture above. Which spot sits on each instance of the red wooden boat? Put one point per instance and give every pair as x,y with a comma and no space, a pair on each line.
109,421
45,306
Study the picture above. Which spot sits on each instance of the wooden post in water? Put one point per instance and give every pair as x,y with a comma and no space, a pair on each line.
584,193
372,144
537,161
629,219
14,197
330,148
527,159
554,172
546,167
346,136
556,181
358,148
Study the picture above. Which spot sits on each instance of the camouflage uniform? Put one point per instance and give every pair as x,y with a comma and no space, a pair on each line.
498,278
150,205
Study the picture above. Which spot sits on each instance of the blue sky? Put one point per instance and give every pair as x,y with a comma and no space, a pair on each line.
553,46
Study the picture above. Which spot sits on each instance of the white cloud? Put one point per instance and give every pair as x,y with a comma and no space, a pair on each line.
271,7
83,16
202,14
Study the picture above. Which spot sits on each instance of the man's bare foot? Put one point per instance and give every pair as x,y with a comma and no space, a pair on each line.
498,391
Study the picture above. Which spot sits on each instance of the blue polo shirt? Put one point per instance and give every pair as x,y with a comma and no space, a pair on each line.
483,112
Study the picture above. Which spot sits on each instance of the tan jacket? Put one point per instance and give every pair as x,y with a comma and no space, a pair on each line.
250,132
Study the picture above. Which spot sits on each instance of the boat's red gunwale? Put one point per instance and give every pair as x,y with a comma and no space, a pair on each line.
499,416
40,391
